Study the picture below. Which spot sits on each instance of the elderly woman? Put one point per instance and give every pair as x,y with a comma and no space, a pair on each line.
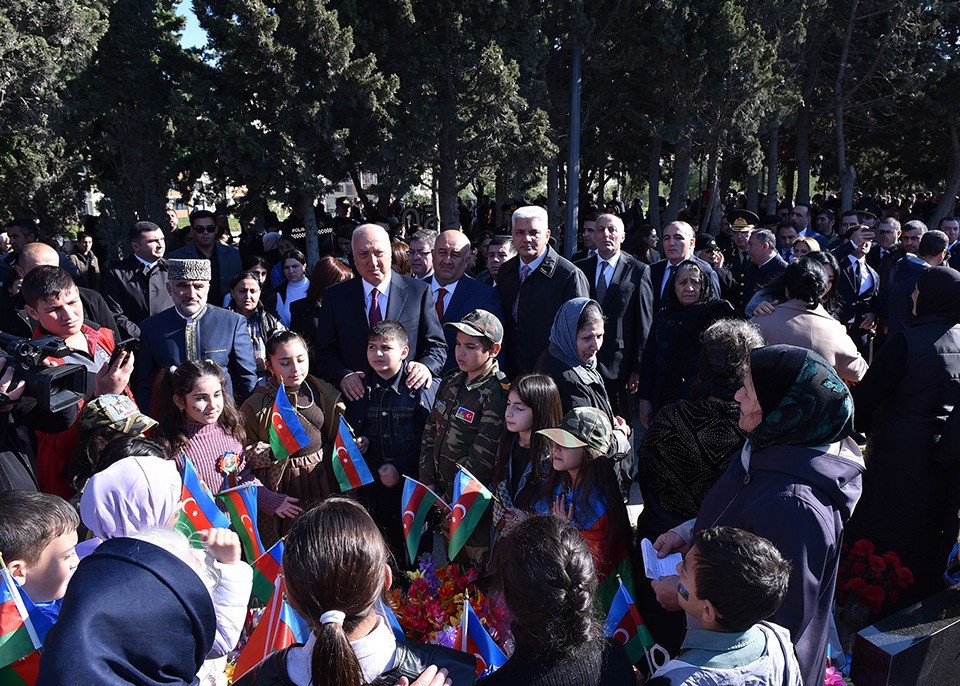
795,482
902,405
571,360
803,321
668,367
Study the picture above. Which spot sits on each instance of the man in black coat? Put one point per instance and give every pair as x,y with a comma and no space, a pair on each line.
766,263
352,307
135,288
621,284
858,285
15,321
533,285
678,244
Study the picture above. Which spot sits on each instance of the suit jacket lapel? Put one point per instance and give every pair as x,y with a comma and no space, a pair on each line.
398,295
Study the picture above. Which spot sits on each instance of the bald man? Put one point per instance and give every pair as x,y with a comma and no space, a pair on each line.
454,293
15,321
352,307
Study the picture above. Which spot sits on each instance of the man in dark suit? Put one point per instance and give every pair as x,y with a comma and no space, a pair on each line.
589,244
766,263
532,286
352,307
951,227
454,293
136,287
13,318
858,285
621,284
224,259
193,330
678,243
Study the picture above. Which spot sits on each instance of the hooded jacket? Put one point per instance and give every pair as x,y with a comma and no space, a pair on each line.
799,498
134,613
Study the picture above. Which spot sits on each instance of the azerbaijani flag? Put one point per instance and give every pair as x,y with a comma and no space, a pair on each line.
22,626
470,500
475,640
348,464
266,570
241,503
286,432
199,511
279,627
415,504
22,672
625,624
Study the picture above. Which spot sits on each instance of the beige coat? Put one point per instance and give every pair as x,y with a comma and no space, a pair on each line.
793,324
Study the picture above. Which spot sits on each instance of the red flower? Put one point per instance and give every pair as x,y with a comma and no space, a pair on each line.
874,594
863,547
904,577
858,569
856,585
891,558
877,564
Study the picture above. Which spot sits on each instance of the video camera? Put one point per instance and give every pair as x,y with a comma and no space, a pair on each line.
54,388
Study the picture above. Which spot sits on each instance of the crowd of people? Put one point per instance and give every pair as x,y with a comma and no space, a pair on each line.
732,381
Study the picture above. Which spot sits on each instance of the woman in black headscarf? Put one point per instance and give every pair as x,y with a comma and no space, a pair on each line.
669,365
795,482
902,405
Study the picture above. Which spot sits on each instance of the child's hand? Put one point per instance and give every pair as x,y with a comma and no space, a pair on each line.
287,508
363,444
389,476
564,513
223,544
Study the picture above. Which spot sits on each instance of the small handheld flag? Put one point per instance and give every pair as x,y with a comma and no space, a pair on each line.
348,464
475,640
415,505
241,503
266,570
22,626
385,611
279,627
470,500
198,509
287,435
625,624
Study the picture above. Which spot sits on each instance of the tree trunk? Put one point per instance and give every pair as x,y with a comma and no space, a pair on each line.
310,227
713,183
681,178
788,182
802,153
772,179
553,192
653,179
500,196
753,193
947,205
361,191
447,181
846,172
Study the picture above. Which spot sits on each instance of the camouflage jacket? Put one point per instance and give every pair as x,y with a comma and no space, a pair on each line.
464,426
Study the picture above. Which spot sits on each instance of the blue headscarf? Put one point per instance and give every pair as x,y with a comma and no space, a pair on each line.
563,337
804,402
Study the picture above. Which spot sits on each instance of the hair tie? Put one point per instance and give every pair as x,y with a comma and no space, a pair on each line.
332,617
173,369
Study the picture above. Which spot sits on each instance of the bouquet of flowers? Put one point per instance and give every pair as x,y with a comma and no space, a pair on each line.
869,578
431,609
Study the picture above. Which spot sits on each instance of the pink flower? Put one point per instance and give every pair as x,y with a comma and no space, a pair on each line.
833,678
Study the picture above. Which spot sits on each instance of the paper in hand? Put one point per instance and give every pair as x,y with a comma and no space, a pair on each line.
656,567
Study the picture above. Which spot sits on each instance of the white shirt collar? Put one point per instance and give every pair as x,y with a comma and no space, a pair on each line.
149,265
383,288
450,287
536,263
613,261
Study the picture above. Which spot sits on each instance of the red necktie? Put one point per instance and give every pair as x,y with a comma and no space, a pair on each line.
375,314
441,294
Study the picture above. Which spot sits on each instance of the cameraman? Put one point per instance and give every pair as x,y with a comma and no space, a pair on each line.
53,302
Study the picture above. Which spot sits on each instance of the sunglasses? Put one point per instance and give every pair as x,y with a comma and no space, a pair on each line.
205,229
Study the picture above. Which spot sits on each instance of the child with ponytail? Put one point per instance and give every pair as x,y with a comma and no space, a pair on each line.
336,566
198,419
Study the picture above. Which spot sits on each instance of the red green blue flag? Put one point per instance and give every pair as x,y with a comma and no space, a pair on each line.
241,504
475,640
348,464
385,611
625,624
22,626
279,627
266,569
415,504
287,435
23,672
199,511
470,500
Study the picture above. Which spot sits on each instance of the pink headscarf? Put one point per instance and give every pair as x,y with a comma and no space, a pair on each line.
132,494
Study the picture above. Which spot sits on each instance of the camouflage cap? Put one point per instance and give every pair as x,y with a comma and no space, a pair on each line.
582,426
480,323
117,412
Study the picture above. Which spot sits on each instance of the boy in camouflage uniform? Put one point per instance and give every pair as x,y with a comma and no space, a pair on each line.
467,419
